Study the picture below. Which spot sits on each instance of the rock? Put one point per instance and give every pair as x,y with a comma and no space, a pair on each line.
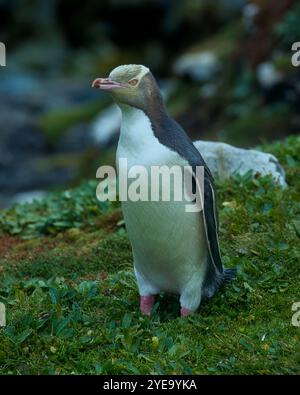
225,160
200,66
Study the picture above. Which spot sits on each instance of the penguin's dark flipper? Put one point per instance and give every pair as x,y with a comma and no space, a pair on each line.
211,223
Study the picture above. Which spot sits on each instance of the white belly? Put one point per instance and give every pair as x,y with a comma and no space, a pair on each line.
168,243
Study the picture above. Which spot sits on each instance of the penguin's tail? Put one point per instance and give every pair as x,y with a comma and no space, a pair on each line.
215,280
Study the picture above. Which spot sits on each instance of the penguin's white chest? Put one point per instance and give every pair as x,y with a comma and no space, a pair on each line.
138,144
168,242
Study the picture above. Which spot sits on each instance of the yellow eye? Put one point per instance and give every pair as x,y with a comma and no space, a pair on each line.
133,82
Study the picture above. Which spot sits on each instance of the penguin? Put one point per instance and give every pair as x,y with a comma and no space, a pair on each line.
174,251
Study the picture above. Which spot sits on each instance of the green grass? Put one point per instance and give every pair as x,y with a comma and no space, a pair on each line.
72,303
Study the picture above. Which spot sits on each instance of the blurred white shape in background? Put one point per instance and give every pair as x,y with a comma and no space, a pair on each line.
249,13
28,196
200,66
267,74
106,125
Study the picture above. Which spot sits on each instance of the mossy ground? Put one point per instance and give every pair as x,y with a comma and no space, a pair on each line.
72,302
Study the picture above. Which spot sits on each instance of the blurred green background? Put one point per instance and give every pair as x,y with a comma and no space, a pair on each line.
224,67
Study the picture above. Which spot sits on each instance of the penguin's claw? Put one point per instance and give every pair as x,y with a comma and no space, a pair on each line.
184,312
146,303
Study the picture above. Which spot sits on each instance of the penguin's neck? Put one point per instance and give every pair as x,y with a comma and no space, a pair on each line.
136,127
155,113
137,138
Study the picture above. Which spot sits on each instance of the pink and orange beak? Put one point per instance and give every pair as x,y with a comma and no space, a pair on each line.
106,84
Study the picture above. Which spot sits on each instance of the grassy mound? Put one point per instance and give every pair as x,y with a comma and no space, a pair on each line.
72,303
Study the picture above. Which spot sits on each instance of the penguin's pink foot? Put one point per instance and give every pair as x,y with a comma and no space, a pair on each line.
184,312
146,303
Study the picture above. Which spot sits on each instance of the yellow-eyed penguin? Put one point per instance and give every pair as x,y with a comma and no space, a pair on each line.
174,250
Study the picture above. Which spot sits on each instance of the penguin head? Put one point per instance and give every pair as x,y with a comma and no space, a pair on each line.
131,84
